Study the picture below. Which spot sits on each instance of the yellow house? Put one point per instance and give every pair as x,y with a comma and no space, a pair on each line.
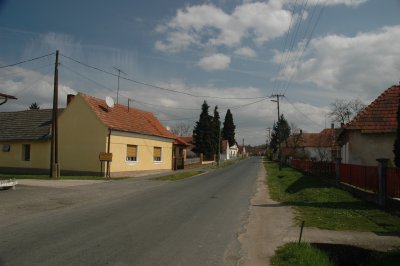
92,139
90,130
25,141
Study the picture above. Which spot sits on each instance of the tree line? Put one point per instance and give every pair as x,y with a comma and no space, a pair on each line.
207,133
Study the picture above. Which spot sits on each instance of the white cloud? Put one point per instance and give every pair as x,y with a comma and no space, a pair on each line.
30,86
246,52
215,62
358,65
208,25
352,3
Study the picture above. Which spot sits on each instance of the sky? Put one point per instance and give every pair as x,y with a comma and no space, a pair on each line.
174,55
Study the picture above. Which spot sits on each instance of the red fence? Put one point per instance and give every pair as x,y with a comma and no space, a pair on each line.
364,177
325,169
393,182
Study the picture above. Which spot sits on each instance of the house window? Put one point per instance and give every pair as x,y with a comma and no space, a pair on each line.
131,153
26,152
6,147
157,154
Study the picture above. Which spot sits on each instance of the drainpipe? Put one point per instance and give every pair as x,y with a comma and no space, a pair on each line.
108,151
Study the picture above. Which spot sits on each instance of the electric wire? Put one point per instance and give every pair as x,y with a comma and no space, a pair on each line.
159,87
26,61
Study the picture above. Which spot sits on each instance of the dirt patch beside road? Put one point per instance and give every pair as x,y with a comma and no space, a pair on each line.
270,225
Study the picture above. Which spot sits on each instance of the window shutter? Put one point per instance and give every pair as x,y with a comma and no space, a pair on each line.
157,151
131,151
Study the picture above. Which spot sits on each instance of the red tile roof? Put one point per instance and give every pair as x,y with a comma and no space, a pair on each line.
380,115
325,138
132,120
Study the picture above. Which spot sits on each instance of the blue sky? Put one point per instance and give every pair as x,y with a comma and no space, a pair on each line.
218,49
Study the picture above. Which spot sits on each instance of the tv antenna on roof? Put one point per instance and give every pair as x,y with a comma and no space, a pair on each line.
110,102
119,74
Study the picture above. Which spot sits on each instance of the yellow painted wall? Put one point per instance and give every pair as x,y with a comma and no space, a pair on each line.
119,141
39,158
82,136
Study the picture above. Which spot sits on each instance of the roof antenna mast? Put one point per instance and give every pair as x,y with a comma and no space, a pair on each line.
119,74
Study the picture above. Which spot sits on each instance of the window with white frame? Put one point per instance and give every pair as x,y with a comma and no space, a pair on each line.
157,154
131,153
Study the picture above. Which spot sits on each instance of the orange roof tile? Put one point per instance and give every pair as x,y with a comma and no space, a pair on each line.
326,138
132,120
380,115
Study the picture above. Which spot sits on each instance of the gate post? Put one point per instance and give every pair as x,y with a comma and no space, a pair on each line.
382,169
338,161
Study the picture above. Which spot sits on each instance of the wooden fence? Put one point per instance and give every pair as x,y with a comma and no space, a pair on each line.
360,176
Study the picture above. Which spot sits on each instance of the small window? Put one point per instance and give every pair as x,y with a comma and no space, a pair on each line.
6,147
26,152
157,154
131,153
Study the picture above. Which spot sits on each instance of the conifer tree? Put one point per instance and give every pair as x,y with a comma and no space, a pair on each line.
216,131
228,131
34,106
202,133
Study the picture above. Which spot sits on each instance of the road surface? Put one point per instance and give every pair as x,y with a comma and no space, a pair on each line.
191,222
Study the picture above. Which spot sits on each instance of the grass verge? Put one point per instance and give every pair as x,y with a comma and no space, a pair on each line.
319,254
179,175
301,254
324,206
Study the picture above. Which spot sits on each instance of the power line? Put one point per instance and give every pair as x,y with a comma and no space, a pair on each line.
305,46
159,87
294,36
26,61
284,46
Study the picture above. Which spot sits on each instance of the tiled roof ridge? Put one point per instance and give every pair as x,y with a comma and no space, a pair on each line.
114,117
379,106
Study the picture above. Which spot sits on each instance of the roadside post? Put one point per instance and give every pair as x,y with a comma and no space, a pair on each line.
105,157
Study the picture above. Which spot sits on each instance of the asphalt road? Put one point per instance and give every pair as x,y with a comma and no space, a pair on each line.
191,222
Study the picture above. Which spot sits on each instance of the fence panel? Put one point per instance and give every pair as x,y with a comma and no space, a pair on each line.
364,177
393,182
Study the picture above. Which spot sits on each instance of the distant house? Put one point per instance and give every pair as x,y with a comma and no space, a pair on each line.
87,128
228,152
371,134
320,146
25,140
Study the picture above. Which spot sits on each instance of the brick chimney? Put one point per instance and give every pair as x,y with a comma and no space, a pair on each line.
70,97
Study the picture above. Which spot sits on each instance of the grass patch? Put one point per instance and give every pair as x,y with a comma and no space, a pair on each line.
179,175
300,255
319,254
324,206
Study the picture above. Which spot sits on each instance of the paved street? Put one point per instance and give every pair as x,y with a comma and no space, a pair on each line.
130,222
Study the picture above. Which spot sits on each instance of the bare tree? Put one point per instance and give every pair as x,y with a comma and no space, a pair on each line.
343,111
182,129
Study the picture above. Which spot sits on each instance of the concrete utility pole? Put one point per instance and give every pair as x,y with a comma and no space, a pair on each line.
119,74
54,166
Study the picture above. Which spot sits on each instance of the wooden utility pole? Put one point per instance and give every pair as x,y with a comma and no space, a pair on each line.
54,166
279,144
